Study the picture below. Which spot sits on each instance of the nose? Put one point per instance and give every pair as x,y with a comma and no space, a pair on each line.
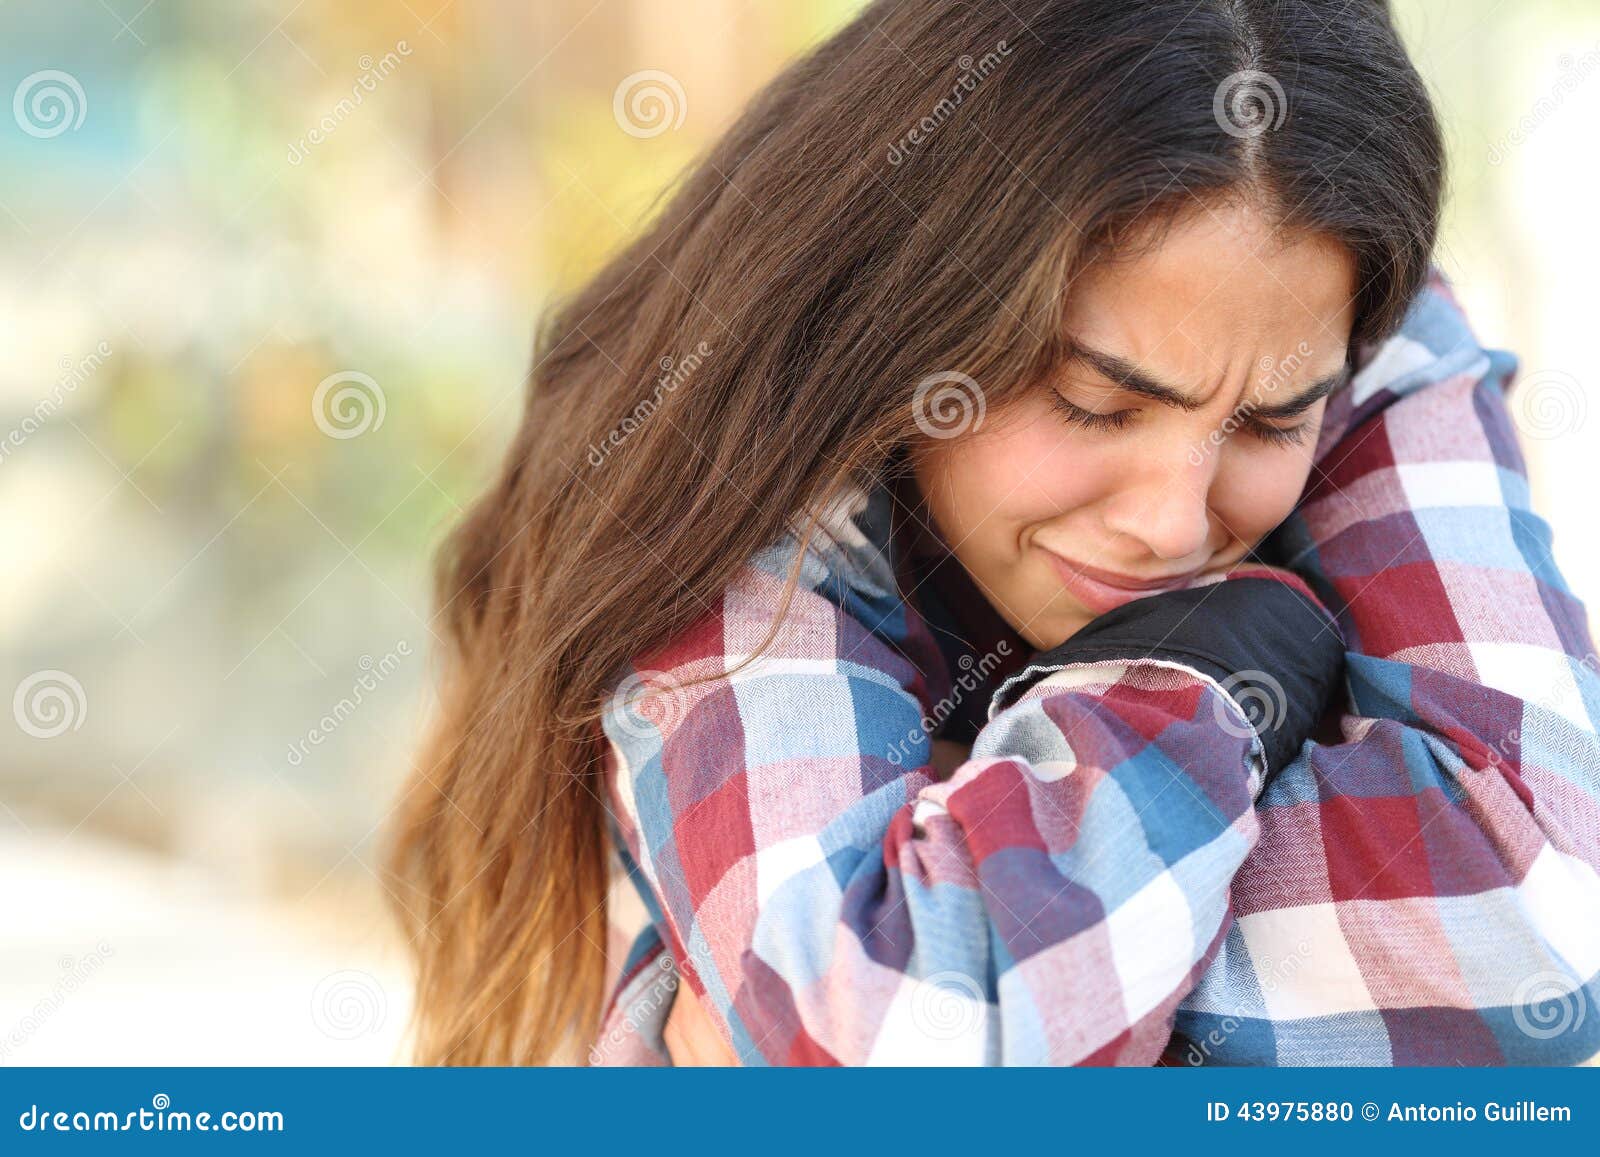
1166,507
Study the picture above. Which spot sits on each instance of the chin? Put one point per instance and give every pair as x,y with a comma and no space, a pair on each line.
1042,638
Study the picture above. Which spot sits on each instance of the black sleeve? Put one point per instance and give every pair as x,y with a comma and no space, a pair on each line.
1277,652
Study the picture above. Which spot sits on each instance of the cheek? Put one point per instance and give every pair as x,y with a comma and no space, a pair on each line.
1259,491
1011,473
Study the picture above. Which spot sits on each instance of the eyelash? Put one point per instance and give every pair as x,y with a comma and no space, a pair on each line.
1078,416
1118,419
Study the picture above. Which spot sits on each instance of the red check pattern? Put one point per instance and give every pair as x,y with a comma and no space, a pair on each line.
1106,880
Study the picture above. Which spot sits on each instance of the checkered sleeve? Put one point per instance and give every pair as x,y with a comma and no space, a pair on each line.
831,901
1425,890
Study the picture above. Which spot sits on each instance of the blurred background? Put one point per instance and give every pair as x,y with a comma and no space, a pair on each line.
268,279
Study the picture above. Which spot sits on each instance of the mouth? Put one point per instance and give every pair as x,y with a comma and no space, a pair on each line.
1102,590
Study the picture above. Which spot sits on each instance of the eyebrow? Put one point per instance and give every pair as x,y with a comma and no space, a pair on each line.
1135,380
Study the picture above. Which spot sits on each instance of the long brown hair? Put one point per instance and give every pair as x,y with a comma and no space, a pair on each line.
914,195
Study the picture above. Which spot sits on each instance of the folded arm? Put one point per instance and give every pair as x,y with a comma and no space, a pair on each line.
1425,891
1050,901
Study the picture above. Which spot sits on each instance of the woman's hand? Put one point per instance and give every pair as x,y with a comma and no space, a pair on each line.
692,1040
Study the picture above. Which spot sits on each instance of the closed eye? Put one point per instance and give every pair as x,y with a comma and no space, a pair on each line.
1119,419
1089,419
1278,435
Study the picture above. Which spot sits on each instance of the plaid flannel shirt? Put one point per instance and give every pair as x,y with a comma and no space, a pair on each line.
1106,880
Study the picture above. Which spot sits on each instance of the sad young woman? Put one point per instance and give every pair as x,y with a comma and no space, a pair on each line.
1080,604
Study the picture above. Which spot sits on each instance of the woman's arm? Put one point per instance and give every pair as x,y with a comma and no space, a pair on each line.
1426,890
690,1036
1049,902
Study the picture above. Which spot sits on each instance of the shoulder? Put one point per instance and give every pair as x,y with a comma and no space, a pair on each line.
1435,341
1435,344
809,647
777,709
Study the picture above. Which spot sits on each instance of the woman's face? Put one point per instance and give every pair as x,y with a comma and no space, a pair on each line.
1176,436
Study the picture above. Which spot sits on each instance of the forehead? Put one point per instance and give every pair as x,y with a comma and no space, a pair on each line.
1216,287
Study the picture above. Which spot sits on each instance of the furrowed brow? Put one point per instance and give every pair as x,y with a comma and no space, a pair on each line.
1135,380
1306,398
1130,377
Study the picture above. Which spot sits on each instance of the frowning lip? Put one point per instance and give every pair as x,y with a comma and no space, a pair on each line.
1104,590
